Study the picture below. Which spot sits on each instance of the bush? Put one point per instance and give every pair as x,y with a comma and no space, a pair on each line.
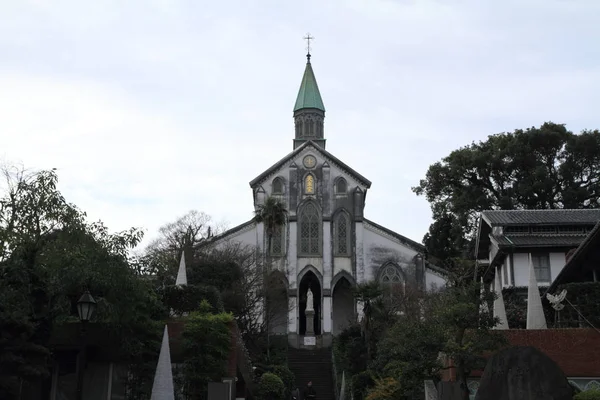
206,343
593,394
271,387
287,377
361,383
187,298
385,389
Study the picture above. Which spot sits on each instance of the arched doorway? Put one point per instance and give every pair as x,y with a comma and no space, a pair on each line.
310,280
343,306
277,304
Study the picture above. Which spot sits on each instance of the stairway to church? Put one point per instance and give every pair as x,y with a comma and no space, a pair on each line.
313,365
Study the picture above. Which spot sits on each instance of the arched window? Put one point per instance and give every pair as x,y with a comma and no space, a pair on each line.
277,186
342,235
311,127
341,186
310,230
392,282
309,184
277,241
299,128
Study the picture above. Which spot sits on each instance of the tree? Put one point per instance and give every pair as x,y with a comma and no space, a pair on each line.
451,322
186,234
467,327
367,294
49,254
207,343
273,215
537,168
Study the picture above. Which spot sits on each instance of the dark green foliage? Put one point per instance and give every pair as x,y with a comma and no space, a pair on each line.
350,351
585,296
536,168
187,298
287,377
206,344
588,395
49,255
409,353
271,387
361,384
20,358
515,301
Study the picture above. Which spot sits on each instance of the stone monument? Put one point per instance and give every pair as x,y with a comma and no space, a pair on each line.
523,373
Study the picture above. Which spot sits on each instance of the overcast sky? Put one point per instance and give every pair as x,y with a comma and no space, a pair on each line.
152,108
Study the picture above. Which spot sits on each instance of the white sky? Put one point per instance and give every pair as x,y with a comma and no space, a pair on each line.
151,108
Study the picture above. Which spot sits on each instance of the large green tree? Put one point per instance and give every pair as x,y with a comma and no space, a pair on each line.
49,254
537,168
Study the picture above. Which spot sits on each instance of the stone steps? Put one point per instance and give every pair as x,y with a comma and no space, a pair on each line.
313,365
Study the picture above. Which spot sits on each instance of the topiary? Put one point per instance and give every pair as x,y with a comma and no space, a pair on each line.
271,387
593,394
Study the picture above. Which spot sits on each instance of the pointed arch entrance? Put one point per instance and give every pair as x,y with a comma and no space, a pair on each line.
310,279
343,303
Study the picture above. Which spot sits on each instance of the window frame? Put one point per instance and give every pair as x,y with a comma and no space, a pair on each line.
319,226
539,268
342,216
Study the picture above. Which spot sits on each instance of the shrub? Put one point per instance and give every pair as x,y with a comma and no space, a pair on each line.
593,394
385,389
206,343
361,383
271,387
287,377
187,298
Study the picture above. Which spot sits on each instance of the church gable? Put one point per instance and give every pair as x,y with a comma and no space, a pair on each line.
311,173
298,159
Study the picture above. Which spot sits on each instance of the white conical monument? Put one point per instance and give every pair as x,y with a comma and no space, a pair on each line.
182,273
499,309
163,389
535,312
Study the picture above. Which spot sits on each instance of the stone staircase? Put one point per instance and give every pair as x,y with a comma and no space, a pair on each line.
313,365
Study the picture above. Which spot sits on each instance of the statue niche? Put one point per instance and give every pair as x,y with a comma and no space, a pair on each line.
310,304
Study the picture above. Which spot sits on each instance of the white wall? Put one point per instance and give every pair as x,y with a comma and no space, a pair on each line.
380,248
246,235
521,267
433,280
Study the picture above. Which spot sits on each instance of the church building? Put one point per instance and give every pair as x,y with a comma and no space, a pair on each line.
327,246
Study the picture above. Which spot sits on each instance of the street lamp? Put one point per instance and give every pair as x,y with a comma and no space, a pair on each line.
86,305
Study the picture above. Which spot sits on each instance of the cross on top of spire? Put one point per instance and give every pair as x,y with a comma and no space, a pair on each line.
308,38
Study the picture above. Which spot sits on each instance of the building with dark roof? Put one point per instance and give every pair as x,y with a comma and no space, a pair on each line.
508,239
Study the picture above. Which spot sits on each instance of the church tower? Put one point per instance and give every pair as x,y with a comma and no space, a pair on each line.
309,111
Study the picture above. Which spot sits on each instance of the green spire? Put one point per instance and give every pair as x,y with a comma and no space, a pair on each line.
308,95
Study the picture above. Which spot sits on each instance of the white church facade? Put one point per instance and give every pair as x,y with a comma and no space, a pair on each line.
327,244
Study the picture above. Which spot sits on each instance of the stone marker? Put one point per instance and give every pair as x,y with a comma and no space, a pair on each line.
523,373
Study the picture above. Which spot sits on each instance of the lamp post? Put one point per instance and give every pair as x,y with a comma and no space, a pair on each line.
86,305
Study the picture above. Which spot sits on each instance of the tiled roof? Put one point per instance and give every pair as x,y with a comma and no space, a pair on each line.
540,240
575,262
553,217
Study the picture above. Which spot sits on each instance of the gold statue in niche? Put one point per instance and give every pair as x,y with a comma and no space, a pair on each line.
309,184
